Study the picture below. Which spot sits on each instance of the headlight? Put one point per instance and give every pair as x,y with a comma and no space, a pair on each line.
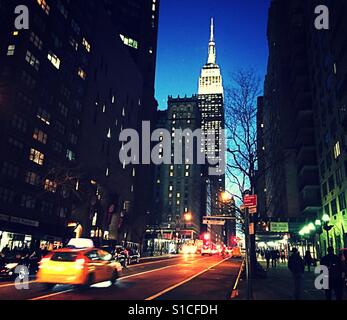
11,265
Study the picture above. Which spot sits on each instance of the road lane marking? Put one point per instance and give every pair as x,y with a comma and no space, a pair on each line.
235,291
51,295
145,272
185,281
13,284
152,262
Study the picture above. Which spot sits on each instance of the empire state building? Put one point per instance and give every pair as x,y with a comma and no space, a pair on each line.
211,105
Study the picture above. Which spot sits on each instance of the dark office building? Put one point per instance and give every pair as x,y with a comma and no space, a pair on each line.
304,118
137,23
292,185
67,88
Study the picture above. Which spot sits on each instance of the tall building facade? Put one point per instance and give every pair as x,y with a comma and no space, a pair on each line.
211,105
291,169
303,121
68,87
137,23
328,66
179,188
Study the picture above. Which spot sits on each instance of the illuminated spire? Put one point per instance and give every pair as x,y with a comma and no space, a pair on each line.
212,57
212,30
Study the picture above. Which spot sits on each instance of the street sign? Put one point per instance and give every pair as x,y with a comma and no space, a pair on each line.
252,210
250,201
214,222
279,227
251,229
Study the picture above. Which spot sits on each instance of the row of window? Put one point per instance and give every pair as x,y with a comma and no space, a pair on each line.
334,180
336,205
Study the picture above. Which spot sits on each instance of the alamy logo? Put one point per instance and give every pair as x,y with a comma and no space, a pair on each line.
322,20
22,20
322,281
177,148
22,280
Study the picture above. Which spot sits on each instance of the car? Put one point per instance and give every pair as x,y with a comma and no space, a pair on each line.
236,253
133,256
13,266
206,250
81,267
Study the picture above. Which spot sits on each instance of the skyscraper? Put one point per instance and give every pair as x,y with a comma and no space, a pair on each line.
211,106
137,24
66,91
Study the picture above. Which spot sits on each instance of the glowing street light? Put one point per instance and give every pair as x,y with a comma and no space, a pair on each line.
226,197
318,223
326,218
311,227
188,217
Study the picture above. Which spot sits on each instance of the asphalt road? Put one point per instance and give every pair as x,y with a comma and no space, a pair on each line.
179,278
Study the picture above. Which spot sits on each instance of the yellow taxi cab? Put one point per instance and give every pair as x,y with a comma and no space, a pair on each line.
78,266
236,252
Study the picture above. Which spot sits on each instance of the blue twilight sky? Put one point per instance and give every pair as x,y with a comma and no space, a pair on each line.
240,31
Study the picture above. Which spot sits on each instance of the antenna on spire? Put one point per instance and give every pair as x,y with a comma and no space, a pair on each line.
212,30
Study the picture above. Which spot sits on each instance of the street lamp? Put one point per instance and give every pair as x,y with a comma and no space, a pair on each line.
318,223
188,217
327,227
226,197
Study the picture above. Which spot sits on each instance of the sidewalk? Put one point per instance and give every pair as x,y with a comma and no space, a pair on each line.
279,286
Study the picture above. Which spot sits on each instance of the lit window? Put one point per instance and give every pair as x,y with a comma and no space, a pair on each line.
36,157
10,50
50,186
44,6
15,33
82,74
40,136
129,42
44,116
70,155
337,150
86,44
54,60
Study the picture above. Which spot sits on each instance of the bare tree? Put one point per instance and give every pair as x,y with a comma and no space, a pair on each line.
241,123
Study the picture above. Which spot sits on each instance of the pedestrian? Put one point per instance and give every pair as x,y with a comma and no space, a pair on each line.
308,260
283,256
268,258
6,250
262,254
274,258
334,264
297,268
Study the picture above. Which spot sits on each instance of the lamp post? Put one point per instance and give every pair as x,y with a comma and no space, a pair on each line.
327,228
187,218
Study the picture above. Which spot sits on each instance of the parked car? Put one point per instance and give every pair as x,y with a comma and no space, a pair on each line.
133,256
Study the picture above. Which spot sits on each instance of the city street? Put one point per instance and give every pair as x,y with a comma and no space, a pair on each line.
183,277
